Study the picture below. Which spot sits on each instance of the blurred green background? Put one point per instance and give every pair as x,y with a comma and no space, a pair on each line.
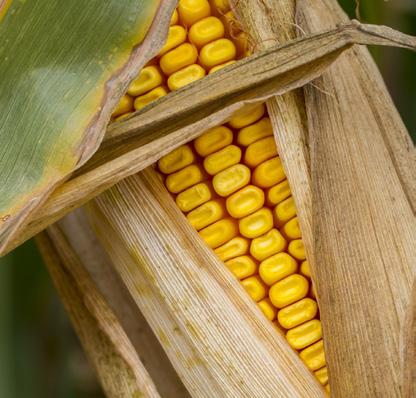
40,356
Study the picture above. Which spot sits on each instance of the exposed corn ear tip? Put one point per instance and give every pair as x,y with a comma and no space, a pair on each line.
230,181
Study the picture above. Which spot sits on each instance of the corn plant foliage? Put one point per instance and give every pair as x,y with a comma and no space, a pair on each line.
61,74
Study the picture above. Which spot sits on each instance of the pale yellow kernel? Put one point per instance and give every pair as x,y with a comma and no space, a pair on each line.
255,287
245,201
213,140
233,248
176,59
247,115
216,53
268,309
185,76
242,266
256,131
176,36
277,267
268,244
219,233
151,96
149,78
297,313
176,160
205,31
289,290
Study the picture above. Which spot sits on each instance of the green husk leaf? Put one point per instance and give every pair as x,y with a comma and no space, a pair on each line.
63,68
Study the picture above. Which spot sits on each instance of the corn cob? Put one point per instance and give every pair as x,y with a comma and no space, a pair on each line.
230,182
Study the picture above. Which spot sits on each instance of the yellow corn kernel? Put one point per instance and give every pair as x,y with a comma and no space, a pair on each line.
242,266
181,56
292,229
205,31
231,180
185,76
222,159
213,140
206,214
278,193
191,11
218,67
297,313
245,201
259,151
175,18
125,105
285,210
220,6
146,99
255,132
194,197
217,52
149,78
328,389
304,335
268,173
256,224
233,248
265,246
314,356
268,309
185,178
176,160
255,287
322,375
176,36
220,232
289,290
297,249
247,115
277,267
304,269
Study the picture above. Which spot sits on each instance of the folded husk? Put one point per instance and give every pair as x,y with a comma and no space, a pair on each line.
157,252
140,140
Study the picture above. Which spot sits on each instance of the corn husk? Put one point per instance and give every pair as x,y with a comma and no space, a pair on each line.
103,340
362,167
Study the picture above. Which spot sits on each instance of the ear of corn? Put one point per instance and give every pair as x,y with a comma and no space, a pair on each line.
230,182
